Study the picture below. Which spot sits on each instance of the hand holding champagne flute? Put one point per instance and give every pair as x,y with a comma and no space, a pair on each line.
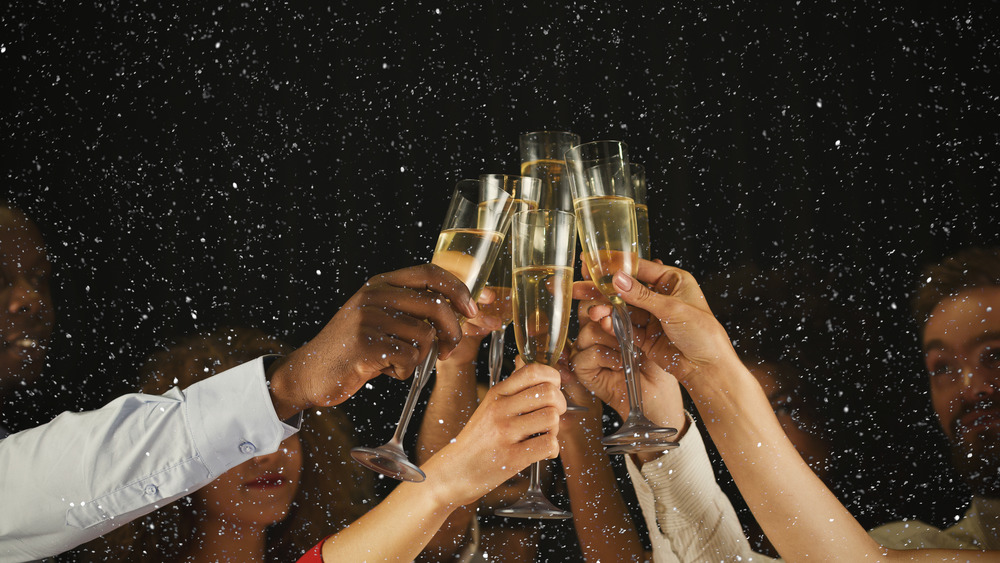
605,211
473,232
544,248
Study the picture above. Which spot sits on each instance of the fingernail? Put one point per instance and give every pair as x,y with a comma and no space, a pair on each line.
473,307
623,281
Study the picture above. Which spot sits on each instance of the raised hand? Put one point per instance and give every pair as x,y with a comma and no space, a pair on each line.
386,327
681,334
596,360
515,425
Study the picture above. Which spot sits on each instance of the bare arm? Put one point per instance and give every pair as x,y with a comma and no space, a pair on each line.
451,403
515,426
600,516
800,516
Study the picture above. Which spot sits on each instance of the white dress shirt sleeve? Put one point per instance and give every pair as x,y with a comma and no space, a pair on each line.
83,474
688,516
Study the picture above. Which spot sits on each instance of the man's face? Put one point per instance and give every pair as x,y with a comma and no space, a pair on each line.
26,314
962,347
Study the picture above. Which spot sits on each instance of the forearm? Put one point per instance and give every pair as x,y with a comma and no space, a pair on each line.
451,403
600,516
397,529
800,516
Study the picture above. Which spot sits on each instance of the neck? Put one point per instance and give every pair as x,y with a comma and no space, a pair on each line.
223,540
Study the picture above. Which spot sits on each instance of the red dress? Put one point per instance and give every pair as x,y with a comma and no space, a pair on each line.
314,555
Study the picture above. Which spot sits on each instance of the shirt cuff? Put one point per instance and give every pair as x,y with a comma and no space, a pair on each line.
232,418
675,482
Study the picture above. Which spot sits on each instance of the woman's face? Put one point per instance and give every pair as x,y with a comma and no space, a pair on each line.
258,491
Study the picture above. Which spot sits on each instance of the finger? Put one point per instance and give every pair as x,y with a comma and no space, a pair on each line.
526,377
392,356
536,422
398,324
586,290
486,296
481,325
589,310
434,278
587,364
593,334
669,280
655,273
527,452
519,361
584,270
421,305
543,395
667,308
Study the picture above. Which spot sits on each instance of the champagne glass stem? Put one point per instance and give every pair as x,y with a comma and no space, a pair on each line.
496,355
420,377
623,332
637,433
535,479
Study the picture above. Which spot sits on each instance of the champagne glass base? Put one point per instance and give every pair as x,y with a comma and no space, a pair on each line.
534,506
639,431
390,461
639,448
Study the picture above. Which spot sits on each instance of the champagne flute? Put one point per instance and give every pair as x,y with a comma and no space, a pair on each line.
605,214
638,174
544,248
526,192
542,157
473,232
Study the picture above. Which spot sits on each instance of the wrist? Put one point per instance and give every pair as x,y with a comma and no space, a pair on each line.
438,491
715,377
282,388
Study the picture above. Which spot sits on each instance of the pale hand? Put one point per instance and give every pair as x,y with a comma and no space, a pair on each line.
515,425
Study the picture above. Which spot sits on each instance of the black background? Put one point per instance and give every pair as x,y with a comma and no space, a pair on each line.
254,163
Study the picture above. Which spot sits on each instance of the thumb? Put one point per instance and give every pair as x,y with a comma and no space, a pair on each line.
662,307
635,293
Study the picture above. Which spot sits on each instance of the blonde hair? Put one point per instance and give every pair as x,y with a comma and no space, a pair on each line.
333,490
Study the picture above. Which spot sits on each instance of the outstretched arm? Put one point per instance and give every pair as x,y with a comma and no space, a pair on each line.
515,426
600,516
60,488
452,402
689,518
800,516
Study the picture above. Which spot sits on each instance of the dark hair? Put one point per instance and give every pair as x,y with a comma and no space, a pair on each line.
333,491
964,270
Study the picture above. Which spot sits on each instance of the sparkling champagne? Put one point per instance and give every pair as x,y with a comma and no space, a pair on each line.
607,228
642,230
555,193
468,253
500,276
543,302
